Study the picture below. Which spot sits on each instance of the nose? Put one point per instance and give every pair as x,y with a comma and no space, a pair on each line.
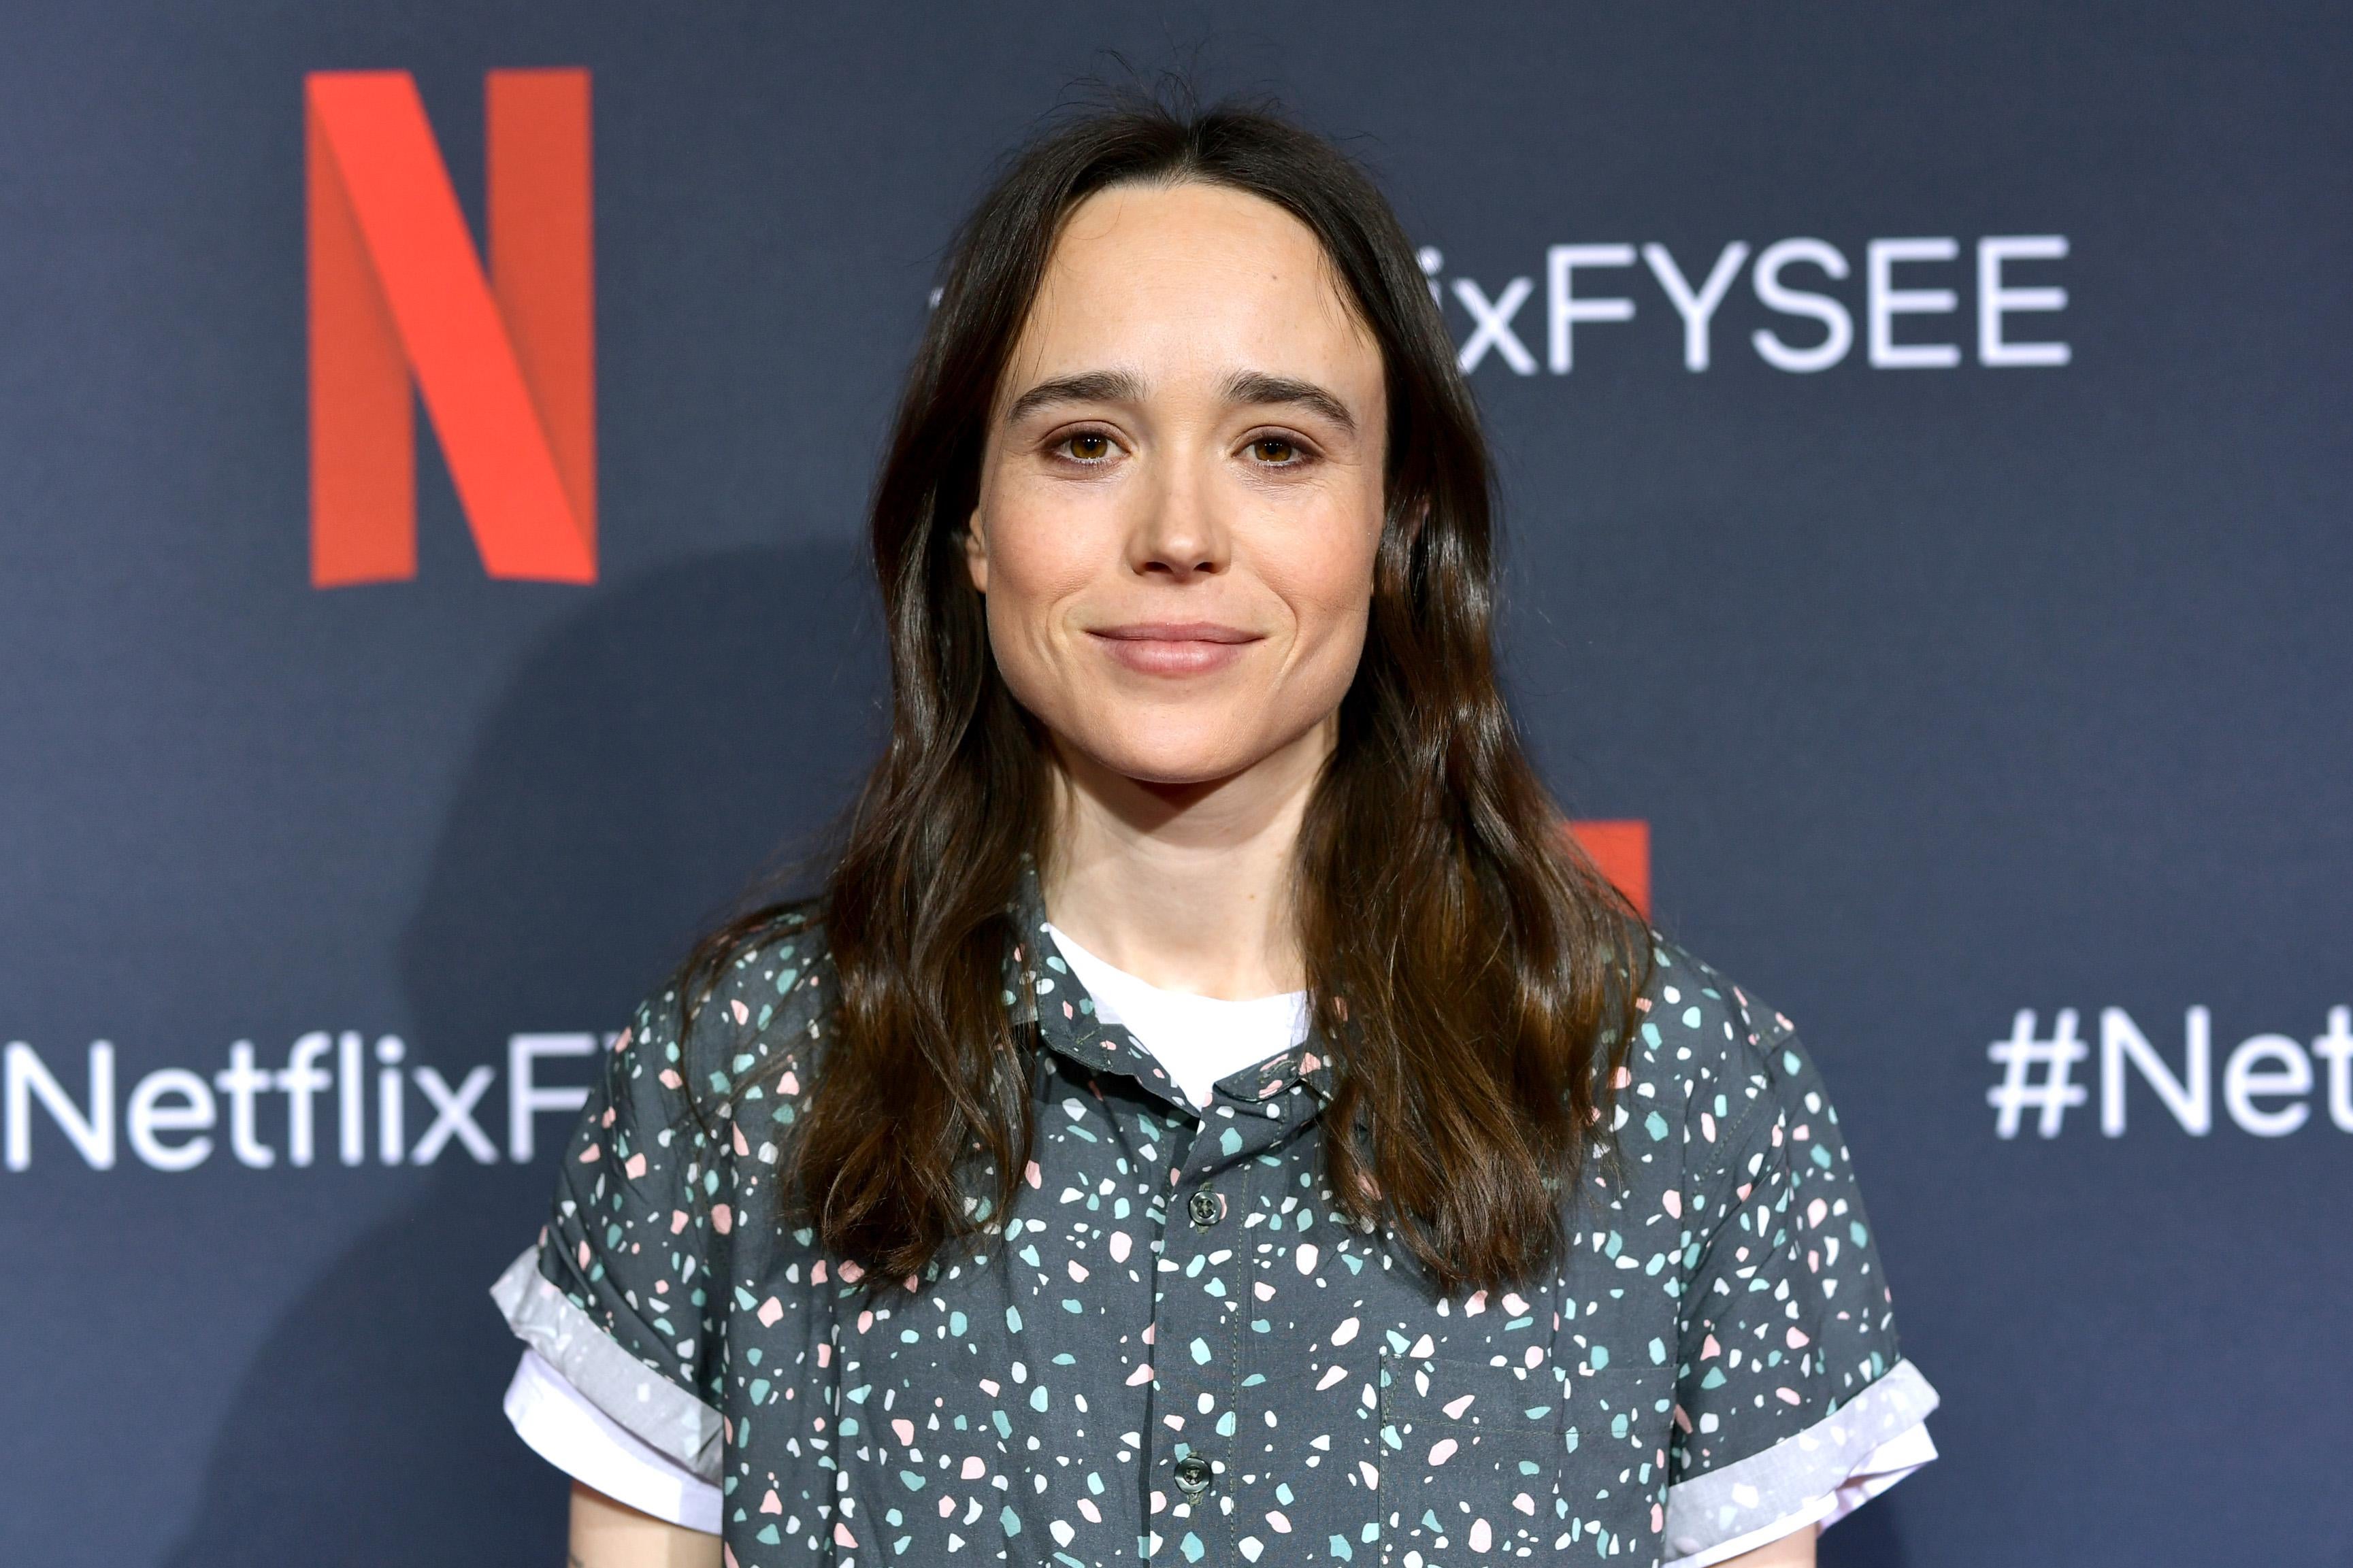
1178,532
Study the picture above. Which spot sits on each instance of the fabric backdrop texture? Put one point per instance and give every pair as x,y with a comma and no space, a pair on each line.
1922,436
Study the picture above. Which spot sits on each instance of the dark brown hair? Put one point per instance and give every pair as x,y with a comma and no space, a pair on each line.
1471,972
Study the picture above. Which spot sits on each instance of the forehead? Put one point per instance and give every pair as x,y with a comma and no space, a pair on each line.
1191,275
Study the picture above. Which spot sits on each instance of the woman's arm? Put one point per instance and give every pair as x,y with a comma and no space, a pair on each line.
609,1535
1795,1549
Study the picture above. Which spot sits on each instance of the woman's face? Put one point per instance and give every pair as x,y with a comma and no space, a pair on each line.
1182,491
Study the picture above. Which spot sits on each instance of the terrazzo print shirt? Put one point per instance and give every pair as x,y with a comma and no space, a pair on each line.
1173,1349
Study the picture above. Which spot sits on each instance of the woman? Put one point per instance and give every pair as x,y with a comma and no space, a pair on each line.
1212,1113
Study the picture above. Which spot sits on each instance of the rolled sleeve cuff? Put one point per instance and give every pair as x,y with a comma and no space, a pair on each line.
1813,1477
563,1427
641,1401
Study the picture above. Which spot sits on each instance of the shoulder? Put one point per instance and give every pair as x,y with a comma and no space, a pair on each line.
750,1008
1723,1074
1699,1037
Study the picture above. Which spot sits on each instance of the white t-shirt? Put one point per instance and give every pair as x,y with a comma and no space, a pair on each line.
1200,1040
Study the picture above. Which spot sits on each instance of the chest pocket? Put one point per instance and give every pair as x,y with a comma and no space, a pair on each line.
1471,1460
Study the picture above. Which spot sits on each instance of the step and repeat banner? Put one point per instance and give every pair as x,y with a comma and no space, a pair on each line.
432,444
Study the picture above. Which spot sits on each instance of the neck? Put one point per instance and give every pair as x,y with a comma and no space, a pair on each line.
1188,886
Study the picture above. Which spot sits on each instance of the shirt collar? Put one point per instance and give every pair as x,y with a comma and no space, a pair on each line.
1039,988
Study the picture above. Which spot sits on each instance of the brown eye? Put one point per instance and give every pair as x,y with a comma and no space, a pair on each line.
1089,449
1273,449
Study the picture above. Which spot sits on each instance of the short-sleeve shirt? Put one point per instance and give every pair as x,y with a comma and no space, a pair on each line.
1173,1347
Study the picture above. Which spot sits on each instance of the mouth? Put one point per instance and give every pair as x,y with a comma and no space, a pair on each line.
1174,647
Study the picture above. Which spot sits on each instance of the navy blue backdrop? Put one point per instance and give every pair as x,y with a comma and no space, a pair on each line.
1949,691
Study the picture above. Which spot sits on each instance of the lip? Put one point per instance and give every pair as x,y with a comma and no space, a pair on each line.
1174,647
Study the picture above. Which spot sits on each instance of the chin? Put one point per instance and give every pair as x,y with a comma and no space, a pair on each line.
1174,770
1172,758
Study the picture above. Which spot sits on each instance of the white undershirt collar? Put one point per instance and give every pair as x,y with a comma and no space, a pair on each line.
1199,1039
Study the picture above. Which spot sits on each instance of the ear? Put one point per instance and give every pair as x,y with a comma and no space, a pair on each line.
976,552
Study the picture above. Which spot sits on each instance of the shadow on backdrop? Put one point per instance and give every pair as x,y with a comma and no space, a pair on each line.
659,748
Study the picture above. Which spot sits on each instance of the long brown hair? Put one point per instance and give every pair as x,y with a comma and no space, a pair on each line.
1472,973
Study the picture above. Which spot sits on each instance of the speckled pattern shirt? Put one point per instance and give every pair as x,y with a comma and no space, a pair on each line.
1176,1350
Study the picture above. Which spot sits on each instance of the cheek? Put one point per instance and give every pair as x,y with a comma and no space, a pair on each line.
1046,539
1040,557
1328,581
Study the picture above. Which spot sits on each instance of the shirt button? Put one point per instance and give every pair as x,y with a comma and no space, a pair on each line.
1205,1208
1193,1477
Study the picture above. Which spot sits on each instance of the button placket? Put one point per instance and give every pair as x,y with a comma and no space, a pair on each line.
1198,1312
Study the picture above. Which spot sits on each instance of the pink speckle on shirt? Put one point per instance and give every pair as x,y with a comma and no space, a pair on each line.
770,1311
723,1219
636,1168
592,1154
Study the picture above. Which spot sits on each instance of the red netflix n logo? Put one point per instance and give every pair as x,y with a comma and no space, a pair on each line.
1621,851
505,362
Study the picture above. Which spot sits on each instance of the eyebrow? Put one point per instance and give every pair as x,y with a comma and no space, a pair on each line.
1088,386
1243,386
1253,387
